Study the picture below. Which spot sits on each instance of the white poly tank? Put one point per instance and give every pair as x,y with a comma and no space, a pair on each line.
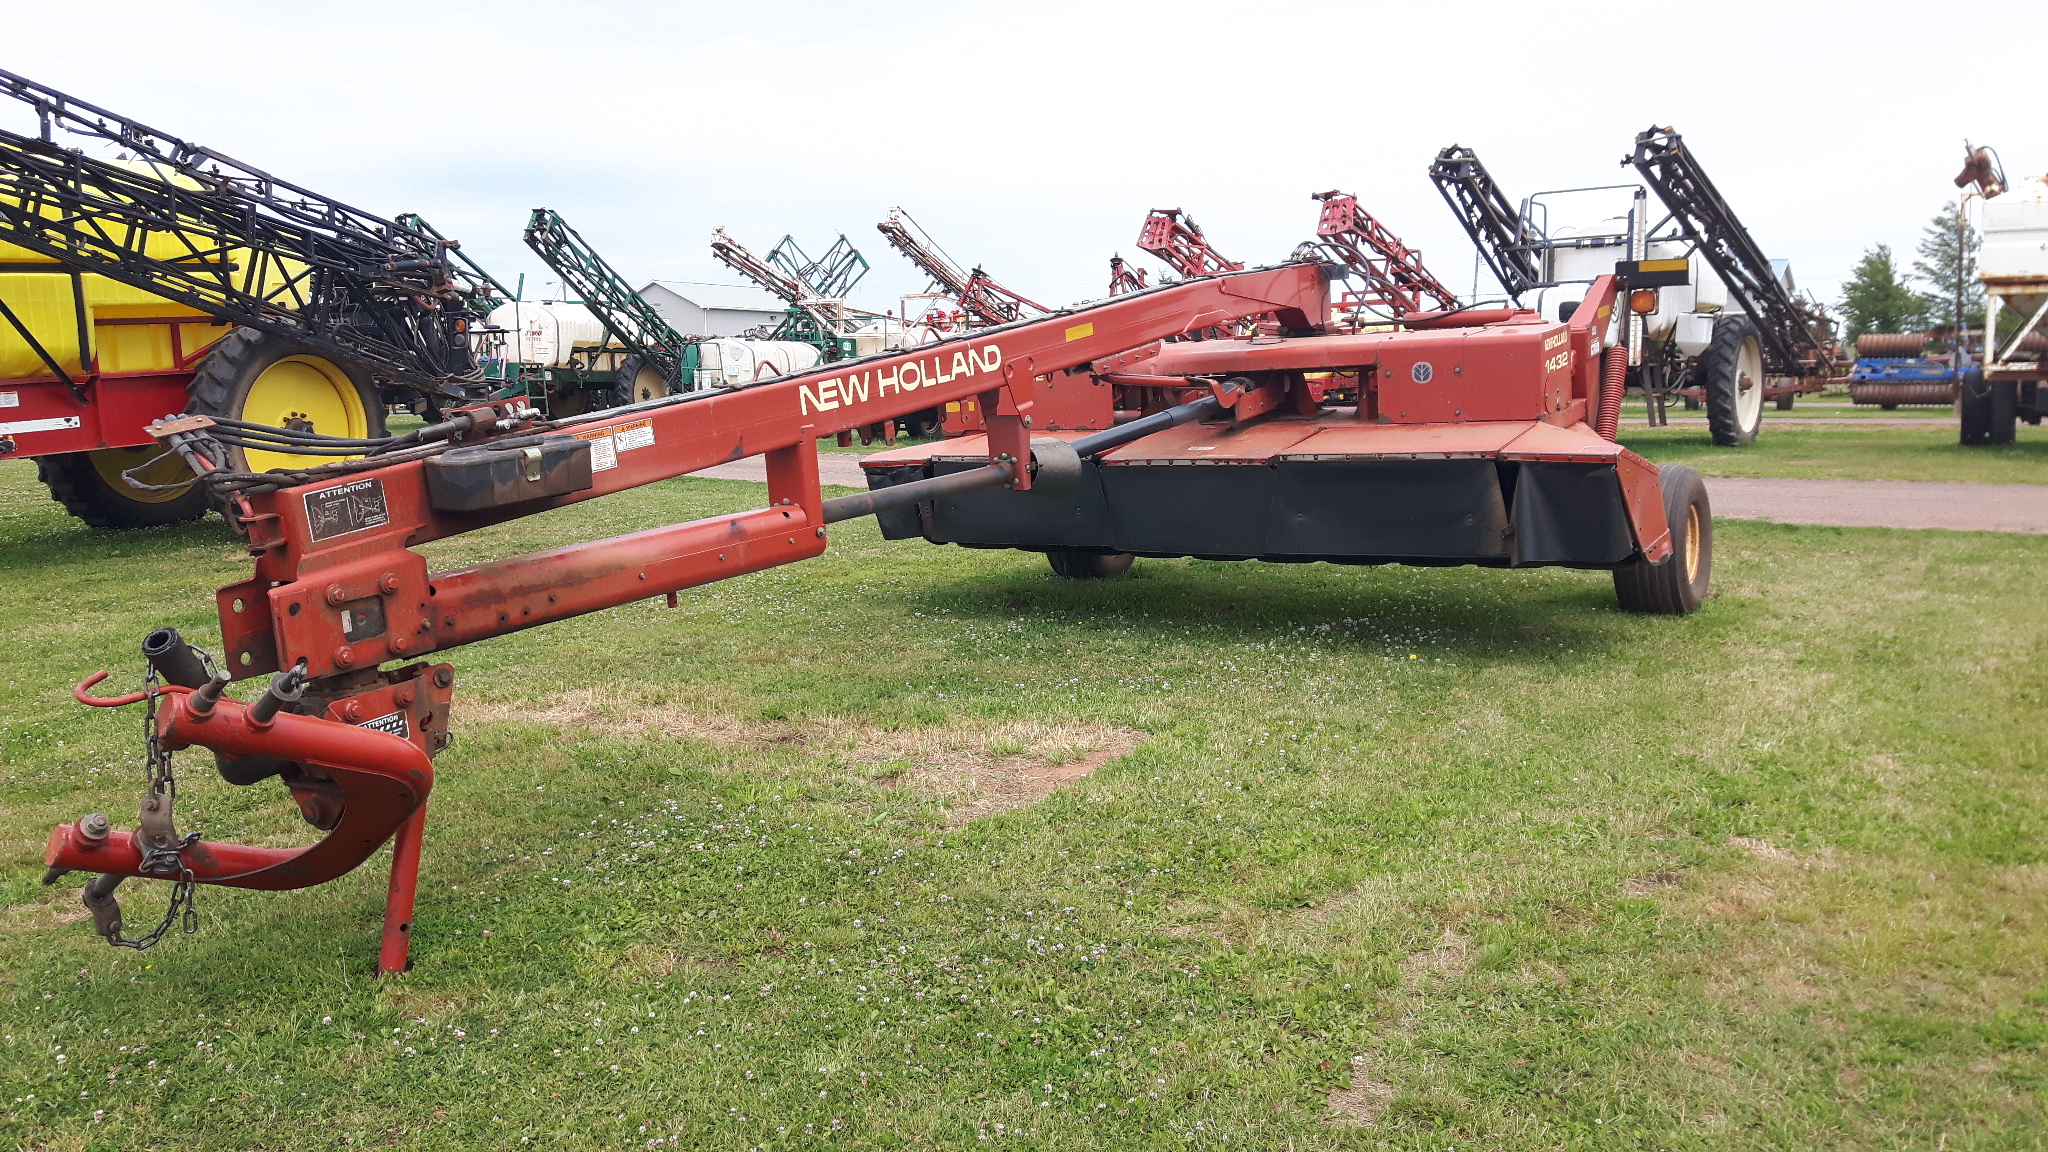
730,361
2016,234
544,332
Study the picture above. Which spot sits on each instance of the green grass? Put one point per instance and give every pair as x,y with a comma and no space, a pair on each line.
1832,408
1846,452
1496,864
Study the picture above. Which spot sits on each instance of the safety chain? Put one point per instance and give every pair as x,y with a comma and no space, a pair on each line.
162,849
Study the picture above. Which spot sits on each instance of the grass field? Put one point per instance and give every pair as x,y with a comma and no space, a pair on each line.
1847,452
1831,408
1373,858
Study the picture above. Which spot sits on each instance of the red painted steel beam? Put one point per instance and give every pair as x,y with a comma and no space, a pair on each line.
386,779
310,577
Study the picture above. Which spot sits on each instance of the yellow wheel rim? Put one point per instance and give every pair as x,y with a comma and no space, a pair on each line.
159,465
1692,543
307,393
648,384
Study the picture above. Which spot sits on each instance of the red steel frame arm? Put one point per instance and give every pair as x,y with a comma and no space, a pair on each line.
1176,239
387,780
314,587
1398,276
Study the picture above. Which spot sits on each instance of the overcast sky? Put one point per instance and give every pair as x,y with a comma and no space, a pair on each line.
1032,137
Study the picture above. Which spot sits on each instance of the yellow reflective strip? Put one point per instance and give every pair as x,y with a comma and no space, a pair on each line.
1080,332
1662,266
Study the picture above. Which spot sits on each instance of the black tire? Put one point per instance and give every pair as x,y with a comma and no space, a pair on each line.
229,375
1989,409
1692,403
637,380
1733,354
89,486
2005,405
1785,401
1076,565
1888,407
922,425
1678,585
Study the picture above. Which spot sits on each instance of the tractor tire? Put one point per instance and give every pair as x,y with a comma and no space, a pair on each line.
89,486
1076,565
266,379
1678,585
636,381
1989,410
1785,402
1731,372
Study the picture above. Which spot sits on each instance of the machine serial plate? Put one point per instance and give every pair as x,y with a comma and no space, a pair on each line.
332,512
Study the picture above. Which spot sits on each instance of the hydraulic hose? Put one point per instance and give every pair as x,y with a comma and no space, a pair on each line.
1613,377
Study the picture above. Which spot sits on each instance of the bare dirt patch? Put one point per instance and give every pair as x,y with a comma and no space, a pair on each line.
1763,849
650,960
1357,1104
976,769
1450,957
1652,884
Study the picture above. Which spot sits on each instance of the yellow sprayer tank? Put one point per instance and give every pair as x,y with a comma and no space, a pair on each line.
128,330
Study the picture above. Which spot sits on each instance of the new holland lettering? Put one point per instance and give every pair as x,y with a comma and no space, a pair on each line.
908,376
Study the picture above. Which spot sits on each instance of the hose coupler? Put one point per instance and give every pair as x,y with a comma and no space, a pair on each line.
285,688
201,702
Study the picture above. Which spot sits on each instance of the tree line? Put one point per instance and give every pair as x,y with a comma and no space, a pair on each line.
1878,297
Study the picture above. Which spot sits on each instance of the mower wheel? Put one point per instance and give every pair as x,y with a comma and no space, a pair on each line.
1785,401
1088,565
1989,409
90,487
1676,586
1732,374
638,380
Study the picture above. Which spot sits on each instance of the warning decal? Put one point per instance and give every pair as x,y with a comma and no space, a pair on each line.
638,434
602,453
393,723
607,443
338,511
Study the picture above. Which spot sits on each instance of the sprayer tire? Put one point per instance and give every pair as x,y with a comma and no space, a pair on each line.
1076,565
637,380
254,376
1678,585
1734,414
78,481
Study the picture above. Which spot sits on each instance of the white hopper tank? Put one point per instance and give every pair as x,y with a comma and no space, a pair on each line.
545,332
727,361
2016,234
